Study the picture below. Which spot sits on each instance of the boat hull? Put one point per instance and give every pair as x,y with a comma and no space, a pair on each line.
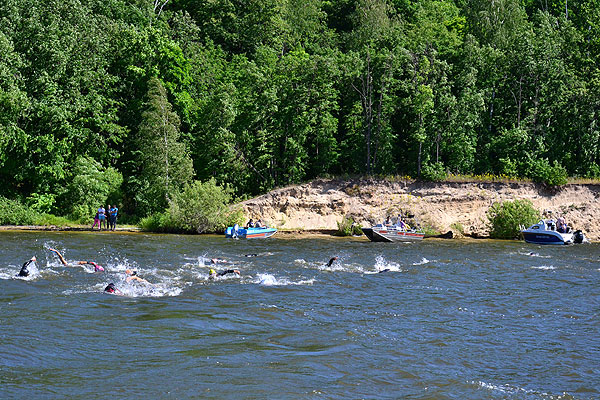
250,233
545,238
392,235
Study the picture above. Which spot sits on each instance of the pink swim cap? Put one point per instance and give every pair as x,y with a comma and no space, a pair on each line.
97,267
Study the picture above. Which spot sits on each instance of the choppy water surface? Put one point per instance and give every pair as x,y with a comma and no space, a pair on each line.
448,320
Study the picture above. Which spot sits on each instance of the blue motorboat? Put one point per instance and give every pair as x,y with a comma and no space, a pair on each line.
249,233
545,232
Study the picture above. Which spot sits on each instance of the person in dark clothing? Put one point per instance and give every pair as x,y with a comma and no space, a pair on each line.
25,268
112,289
331,260
212,274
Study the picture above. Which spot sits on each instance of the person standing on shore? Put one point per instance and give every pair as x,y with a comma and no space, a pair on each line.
96,221
112,217
102,216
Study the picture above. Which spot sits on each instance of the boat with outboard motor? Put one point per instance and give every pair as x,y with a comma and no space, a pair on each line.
546,232
399,232
236,231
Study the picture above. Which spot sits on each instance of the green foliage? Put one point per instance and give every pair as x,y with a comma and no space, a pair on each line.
433,172
266,93
162,160
347,227
13,212
204,207
542,172
506,218
159,222
90,187
200,207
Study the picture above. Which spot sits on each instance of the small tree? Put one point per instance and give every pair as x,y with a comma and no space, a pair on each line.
506,218
204,207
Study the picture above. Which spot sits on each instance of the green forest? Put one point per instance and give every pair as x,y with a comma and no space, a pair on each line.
141,102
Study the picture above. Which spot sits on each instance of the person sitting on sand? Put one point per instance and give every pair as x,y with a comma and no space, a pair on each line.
97,268
212,274
132,276
24,272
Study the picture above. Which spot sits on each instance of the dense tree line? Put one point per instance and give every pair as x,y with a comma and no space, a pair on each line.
129,101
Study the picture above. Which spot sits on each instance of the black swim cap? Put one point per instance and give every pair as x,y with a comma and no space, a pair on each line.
110,288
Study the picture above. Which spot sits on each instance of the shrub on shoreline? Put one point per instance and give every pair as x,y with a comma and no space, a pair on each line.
13,212
200,207
506,218
347,227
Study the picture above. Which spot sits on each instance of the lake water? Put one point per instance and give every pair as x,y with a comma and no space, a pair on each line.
450,319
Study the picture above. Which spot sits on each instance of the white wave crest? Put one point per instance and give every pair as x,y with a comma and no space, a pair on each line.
270,280
381,264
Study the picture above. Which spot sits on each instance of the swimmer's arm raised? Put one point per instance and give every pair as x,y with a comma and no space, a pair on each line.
60,256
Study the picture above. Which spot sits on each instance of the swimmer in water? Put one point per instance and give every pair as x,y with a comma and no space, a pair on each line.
132,276
331,260
212,274
218,260
24,269
112,289
97,268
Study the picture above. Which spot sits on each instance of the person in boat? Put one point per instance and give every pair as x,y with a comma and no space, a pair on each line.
212,273
111,289
401,223
24,272
561,225
133,276
250,224
331,261
259,224
97,268
388,221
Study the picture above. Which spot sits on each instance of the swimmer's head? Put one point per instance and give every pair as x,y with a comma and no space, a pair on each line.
110,288
130,272
212,273
97,268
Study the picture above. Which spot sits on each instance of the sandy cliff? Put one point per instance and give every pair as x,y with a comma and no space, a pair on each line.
460,207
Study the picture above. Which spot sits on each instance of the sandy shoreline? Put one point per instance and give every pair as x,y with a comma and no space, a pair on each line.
315,208
445,206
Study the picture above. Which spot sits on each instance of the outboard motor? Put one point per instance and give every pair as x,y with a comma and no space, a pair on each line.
578,237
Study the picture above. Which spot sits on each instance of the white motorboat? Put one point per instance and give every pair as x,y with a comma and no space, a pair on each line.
545,232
